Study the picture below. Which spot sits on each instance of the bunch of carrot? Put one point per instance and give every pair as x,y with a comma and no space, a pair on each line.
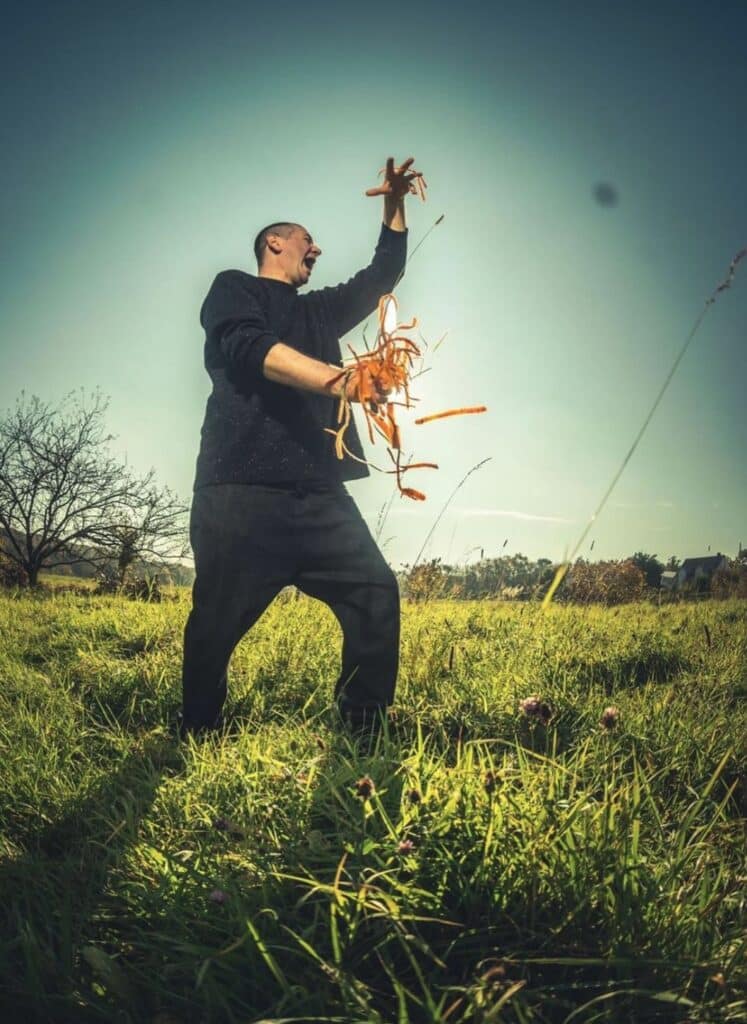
385,369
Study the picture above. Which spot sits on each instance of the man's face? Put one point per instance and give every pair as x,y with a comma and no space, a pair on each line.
298,255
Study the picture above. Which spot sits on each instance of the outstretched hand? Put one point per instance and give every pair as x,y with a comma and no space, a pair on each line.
361,388
356,386
398,181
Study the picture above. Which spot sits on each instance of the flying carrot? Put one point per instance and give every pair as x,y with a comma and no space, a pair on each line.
451,412
384,369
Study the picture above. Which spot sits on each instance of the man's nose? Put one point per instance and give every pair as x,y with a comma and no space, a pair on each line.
316,251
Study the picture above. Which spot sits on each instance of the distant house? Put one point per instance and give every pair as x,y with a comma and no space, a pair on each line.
697,573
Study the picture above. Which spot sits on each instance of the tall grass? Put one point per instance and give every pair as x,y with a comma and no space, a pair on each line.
479,864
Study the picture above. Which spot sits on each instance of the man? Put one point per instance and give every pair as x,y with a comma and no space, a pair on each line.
270,507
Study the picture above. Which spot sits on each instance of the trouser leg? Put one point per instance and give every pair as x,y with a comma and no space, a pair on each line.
369,616
344,568
241,564
213,630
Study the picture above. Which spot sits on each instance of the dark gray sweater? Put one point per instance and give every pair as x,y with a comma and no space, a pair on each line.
256,431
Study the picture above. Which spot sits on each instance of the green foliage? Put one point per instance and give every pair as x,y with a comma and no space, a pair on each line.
574,858
650,566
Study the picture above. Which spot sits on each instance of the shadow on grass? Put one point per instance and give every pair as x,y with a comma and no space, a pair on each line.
54,889
655,666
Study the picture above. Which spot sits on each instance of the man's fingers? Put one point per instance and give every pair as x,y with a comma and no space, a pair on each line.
397,181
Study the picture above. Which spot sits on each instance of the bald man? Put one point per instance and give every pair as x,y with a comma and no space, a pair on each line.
270,507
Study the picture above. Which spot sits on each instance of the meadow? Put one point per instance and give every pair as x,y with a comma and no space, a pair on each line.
576,858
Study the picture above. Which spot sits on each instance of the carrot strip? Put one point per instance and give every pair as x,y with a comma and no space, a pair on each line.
451,412
365,462
386,369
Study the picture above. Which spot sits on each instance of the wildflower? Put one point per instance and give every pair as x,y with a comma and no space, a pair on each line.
490,782
365,788
414,796
218,896
405,846
536,708
610,717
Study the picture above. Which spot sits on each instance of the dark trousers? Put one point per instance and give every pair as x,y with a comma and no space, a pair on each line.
250,541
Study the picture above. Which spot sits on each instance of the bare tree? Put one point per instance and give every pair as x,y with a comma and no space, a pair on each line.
152,530
65,500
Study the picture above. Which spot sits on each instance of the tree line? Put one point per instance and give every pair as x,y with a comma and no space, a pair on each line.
516,577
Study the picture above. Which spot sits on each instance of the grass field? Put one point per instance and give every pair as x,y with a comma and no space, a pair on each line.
479,864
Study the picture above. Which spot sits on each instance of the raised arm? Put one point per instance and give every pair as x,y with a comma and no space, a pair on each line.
355,299
351,302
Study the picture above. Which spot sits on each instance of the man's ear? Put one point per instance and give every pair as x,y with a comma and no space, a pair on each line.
275,243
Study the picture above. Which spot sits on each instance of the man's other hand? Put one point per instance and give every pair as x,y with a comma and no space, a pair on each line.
398,181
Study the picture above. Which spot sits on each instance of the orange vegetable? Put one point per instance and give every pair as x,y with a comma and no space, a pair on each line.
451,412
383,370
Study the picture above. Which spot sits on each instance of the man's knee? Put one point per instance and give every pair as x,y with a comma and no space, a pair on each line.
388,590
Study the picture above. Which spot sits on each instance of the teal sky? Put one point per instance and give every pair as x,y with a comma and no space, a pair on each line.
144,145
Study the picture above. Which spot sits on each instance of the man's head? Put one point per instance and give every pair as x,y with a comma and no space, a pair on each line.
286,252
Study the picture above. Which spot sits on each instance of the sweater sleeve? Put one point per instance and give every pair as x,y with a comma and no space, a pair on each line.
352,301
235,324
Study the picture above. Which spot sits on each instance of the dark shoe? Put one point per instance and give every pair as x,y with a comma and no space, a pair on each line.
367,724
184,729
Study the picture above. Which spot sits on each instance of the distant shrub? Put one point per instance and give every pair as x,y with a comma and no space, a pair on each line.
11,573
107,580
144,588
606,583
425,582
77,590
731,580
148,587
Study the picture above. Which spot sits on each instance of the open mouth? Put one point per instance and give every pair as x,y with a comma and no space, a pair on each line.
309,263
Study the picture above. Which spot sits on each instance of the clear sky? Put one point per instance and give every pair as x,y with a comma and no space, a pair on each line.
144,144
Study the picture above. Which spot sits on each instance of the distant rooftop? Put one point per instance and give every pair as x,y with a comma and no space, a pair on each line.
704,564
